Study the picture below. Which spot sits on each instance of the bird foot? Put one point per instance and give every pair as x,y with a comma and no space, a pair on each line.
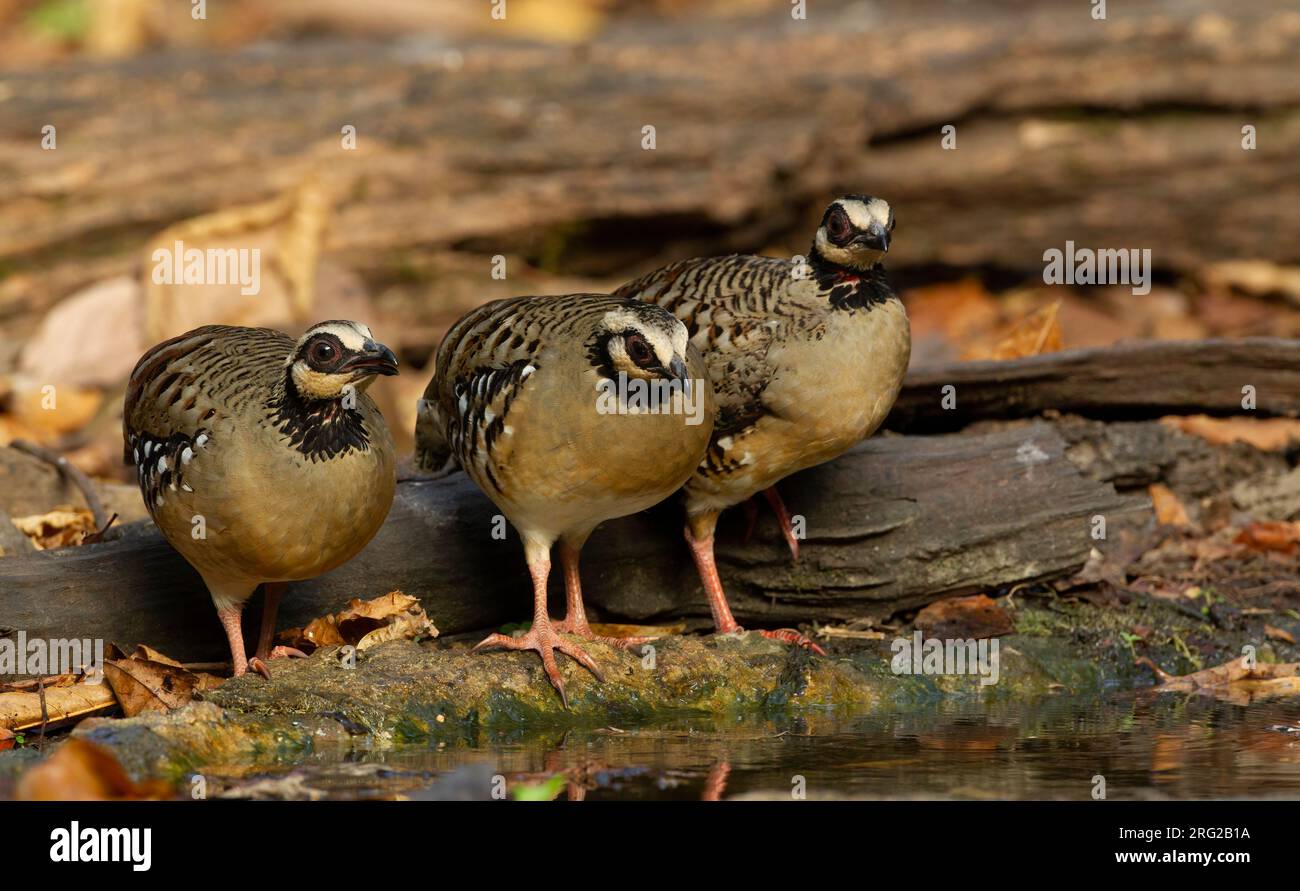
794,638
258,665
582,629
782,518
544,640
784,635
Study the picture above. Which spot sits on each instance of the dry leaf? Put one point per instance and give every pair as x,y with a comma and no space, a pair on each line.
147,681
1037,333
964,617
952,312
20,710
84,771
1169,510
64,526
1281,634
364,623
90,339
1266,434
1278,536
1258,277
622,631
1233,681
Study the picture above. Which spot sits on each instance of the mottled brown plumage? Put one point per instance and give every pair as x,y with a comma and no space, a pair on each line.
521,399
806,359
260,459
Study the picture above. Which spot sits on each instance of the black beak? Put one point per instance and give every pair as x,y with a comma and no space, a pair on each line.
876,237
374,358
677,369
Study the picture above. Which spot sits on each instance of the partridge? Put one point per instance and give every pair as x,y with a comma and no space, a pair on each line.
806,360
261,459
566,411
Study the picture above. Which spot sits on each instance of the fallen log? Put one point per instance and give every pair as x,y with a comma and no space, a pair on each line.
1134,380
758,120
895,523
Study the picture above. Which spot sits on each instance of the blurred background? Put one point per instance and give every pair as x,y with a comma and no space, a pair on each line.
577,143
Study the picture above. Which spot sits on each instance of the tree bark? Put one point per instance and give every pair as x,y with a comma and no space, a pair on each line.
1142,380
896,523
536,152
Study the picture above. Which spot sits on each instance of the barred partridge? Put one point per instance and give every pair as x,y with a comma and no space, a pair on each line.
567,411
806,360
261,460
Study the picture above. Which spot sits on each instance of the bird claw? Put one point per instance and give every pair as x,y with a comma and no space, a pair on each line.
583,630
794,638
545,641
784,635
258,664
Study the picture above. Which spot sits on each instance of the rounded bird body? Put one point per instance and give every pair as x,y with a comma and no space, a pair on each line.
522,400
567,411
807,359
261,459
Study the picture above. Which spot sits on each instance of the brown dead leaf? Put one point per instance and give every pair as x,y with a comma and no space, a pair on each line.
90,339
1037,333
50,410
1169,510
1279,536
22,709
6,739
364,623
952,311
1257,277
1266,434
1233,681
1273,633
84,771
147,681
62,527
964,617
624,631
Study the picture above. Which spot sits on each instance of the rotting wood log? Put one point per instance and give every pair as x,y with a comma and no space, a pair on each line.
895,523
1134,380
759,120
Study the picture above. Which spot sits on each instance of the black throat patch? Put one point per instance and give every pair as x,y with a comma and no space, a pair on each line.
848,288
322,429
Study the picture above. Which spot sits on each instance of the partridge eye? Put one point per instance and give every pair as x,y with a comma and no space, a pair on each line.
837,226
323,351
639,351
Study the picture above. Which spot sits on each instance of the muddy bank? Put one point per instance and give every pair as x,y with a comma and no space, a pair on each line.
436,695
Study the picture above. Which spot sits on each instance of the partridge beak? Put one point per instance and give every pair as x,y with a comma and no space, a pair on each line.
374,358
876,237
677,369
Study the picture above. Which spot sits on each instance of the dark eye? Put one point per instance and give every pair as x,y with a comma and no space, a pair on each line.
837,226
639,350
323,352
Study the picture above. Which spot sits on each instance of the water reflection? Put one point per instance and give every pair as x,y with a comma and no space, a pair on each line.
1145,746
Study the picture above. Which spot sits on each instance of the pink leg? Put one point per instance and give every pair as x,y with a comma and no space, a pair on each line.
723,621
751,519
783,517
716,782
575,620
542,637
272,592
702,551
230,617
